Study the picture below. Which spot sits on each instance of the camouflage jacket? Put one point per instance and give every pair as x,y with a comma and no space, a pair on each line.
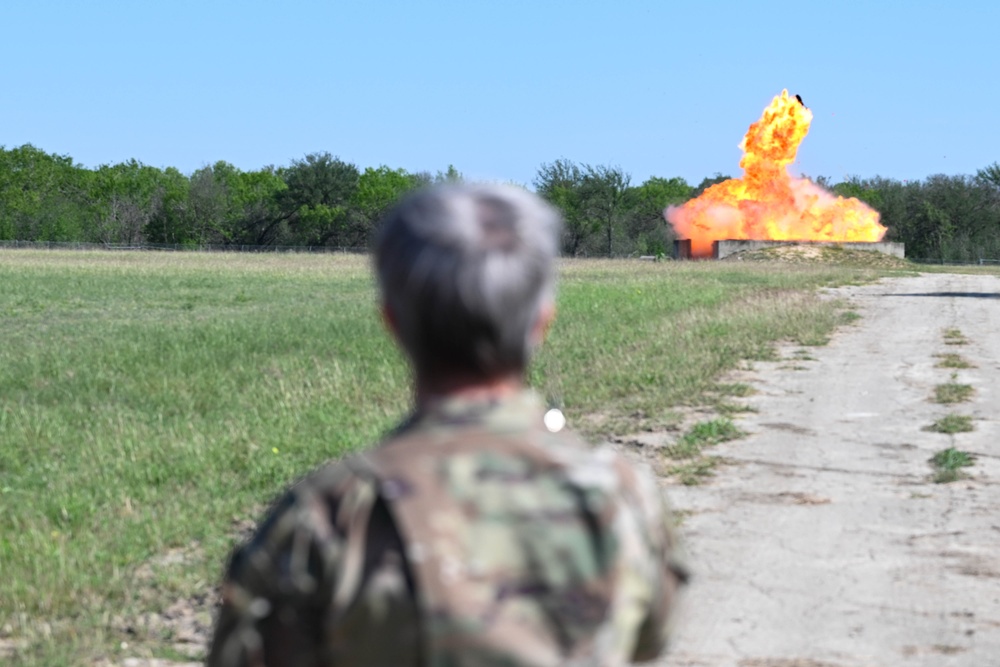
471,536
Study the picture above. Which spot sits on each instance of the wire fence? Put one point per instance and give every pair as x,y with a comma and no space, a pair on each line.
236,248
982,261
177,247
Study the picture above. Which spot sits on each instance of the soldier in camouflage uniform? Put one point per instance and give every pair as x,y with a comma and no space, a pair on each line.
474,534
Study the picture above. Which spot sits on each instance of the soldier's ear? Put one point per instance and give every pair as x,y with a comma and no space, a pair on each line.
546,316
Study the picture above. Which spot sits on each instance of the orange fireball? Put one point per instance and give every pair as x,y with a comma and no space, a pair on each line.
769,203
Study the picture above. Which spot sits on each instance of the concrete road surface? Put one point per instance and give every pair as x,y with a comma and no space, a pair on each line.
825,543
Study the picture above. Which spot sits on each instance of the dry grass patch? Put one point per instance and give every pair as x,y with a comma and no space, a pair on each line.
727,408
738,389
693,473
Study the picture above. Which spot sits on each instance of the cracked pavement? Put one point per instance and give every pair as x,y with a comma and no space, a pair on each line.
824,542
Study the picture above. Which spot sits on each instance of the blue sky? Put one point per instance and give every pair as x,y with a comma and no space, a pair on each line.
898,89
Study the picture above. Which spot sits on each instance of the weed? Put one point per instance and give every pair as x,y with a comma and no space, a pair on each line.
713,432
952,361
693,473
683,449
680,516
739,389
952,424
946,476
948,464
952,392
694,467
813,339
727,408
954,337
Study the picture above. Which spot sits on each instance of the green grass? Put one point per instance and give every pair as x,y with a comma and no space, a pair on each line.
660,334
952,424
948,464
691,466
712,432
952,392
154,403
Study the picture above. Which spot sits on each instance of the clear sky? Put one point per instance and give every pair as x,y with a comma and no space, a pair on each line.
898,89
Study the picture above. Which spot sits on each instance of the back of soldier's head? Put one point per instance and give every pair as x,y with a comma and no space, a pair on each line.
464,271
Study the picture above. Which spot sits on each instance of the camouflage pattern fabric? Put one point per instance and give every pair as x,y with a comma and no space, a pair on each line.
472,536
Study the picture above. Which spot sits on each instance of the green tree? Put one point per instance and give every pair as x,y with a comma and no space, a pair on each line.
450,175
43,197
940,218
230,206
706,183
862,190
647,227
378,190
129,196
254,202
314,204
990,175
560,183
209,218
604,194
169,224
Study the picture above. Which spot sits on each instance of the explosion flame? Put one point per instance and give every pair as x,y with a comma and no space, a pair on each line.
769,203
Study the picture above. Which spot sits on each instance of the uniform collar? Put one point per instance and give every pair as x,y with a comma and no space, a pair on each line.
515,412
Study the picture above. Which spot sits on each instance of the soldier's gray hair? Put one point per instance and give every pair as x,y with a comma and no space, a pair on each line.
464,271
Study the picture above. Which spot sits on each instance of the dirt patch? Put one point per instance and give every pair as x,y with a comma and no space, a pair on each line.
10,646
184,626
785,498
785,426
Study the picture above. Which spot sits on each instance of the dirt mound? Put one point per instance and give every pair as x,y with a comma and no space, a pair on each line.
819,254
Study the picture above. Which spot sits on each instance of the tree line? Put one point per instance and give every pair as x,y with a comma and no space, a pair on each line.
321,200
940,218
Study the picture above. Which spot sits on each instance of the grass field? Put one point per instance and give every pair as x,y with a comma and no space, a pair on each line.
152,404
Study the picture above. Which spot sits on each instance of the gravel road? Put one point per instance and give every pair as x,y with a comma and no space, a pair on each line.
825,543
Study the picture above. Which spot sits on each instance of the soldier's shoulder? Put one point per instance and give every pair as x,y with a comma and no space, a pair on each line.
312,504
603,463
336,477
